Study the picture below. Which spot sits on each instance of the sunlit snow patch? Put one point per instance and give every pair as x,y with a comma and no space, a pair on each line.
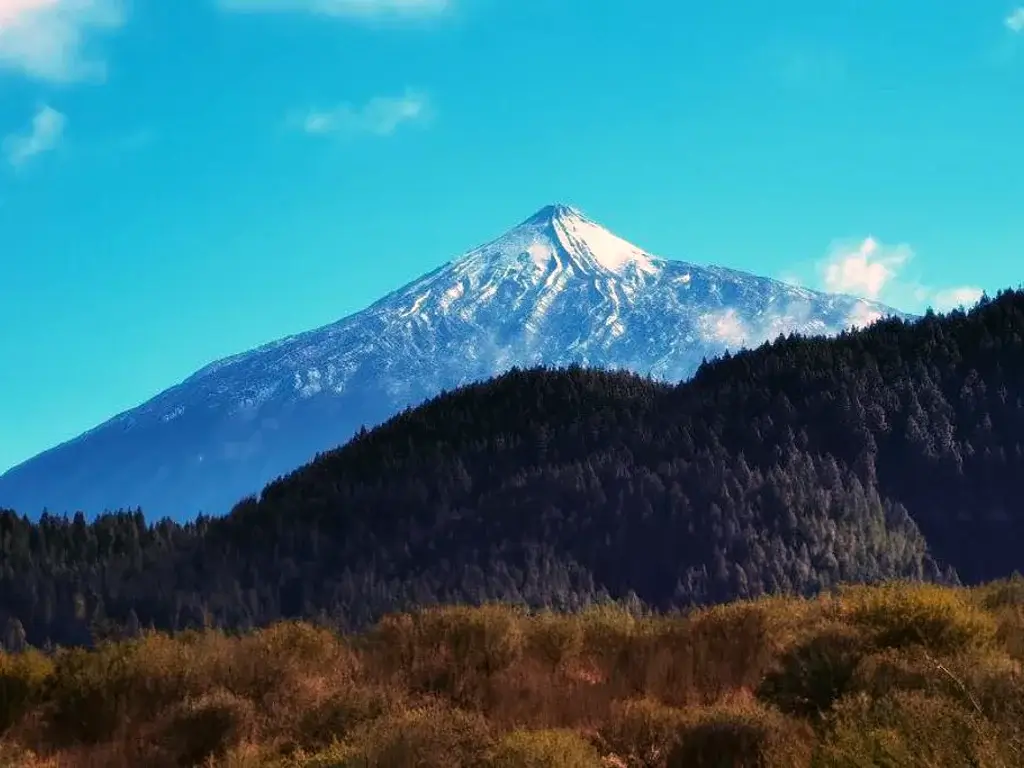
601,246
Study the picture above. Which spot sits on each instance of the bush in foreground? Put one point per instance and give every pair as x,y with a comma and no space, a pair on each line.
892,676
544,749
744,736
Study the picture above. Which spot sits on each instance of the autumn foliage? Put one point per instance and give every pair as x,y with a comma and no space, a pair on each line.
890,675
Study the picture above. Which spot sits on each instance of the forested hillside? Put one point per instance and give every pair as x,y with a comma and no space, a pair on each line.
894,452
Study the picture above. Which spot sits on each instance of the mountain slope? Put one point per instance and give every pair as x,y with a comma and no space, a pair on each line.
891,452
555,290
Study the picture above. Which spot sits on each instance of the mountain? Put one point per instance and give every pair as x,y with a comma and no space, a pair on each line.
893,452
555,290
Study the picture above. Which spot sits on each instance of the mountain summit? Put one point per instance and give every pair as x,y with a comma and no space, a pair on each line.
560,231
551,212
555,290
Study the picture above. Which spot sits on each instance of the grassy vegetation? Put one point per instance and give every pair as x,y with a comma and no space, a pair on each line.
894,675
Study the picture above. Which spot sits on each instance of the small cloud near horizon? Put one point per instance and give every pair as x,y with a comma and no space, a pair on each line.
44,135
48,39
380,116
864,270
1015,21
952,298
872,270
340,8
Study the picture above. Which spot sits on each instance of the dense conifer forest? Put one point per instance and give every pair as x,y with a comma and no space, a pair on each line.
890,453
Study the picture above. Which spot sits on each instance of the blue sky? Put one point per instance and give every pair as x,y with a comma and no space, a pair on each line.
184,179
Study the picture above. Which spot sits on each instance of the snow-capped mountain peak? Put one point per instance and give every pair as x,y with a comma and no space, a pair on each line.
560,237
557,289
549,213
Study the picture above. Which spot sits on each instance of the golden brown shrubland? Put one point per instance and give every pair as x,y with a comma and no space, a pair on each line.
892,675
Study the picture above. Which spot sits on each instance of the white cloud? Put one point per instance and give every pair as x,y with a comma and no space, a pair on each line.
380,116
873,270
1015,21
350,8
864,270
12,9
951,298
44,135
47,39
863,315
725,326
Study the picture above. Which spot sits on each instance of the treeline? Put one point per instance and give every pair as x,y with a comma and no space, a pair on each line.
893,452
890,675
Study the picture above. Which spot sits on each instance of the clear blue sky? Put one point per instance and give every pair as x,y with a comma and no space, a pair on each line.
184,180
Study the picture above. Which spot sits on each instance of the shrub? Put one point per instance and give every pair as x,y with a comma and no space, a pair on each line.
682,660
484,641
742,736
554,640
891,669
989,684
1005,593
95,693
986,682
13,756
732,646
451,651
910,728
248,755
1010,630
544,749
813,675
891,676
432,736
940,619
996,684
262,663
208,726
390,647
654,660
347,708
336,755
87,699
23,677
607,633
642,731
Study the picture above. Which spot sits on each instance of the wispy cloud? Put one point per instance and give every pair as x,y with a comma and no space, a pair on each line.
43,135
862,315
349,8
877,271
951,298
1015,21
49,39
864,270
380,116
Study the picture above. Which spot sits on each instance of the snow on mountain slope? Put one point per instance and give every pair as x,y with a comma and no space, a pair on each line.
555,290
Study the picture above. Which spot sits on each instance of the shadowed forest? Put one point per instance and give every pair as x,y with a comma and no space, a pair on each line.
889,453
894,675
